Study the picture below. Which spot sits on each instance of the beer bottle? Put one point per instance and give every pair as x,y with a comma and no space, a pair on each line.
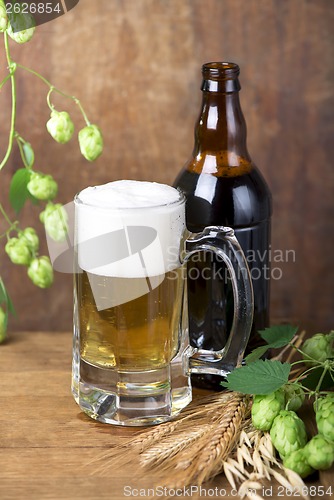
224,187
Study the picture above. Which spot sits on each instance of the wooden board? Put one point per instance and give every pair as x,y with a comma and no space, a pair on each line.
48,448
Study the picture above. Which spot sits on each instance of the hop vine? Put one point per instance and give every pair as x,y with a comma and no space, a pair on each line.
28,182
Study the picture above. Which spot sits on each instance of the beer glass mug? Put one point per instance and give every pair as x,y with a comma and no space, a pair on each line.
131,355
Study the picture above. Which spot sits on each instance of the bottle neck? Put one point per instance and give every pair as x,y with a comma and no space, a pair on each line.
221,126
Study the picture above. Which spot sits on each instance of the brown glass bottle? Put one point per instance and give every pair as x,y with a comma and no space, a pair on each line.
224,187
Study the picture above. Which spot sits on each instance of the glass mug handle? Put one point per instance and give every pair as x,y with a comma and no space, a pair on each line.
224,244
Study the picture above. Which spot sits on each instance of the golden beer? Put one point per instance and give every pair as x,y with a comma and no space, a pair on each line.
141,334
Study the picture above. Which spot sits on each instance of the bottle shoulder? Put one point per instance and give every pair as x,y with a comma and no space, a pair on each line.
220,163
233,200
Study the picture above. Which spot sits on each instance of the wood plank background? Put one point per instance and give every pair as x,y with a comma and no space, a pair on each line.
136,67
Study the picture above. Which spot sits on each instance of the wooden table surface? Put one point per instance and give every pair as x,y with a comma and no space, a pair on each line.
48,448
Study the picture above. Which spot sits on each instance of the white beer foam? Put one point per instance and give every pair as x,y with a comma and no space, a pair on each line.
129,194
122,204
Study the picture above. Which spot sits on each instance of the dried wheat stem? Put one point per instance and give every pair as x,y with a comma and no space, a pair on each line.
296,341
213,434
280,355
167,449
208,405
297,483
145,439
297,344
210,461
198,411
261,466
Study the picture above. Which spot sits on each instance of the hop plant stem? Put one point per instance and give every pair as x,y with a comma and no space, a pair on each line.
7,219
55,89
12,225
12,69
20,142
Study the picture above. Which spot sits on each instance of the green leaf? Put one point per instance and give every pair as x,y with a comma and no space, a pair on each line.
278,336
256,354
260,377
18,192
275,336
32,198
29,154
3,293
5,298
10,305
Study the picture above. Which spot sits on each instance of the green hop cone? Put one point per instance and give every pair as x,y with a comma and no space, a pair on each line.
318,347
42,187
265,408
3,17
294,396
55,220
320,452
325,416
40,272
297,461
3,325
30,236
60,126
288,433
91,142
18,251
21,25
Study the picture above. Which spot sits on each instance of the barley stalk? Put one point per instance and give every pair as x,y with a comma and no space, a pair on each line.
162,452
205,459
213,434
255,459
200,412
